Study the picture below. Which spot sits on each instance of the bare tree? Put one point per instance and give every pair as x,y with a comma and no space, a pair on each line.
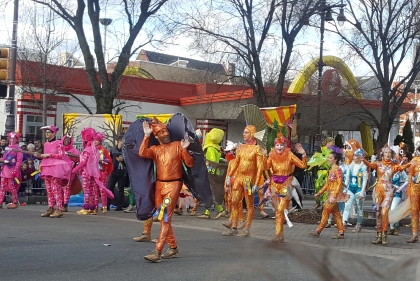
383,36
244,32
135,14
40,62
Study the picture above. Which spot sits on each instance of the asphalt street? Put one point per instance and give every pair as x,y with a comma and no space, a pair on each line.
100,247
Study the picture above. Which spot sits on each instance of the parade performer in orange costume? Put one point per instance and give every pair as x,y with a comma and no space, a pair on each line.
282,162
414,195
333,185
247,170
168,158
383,191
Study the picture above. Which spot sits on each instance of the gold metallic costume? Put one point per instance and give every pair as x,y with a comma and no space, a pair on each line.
247,170
282,164
384,191
414,194
333,186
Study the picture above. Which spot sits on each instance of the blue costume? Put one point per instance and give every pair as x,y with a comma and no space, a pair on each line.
399,181
356,180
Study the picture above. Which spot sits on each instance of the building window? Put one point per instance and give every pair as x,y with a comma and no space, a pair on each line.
33,126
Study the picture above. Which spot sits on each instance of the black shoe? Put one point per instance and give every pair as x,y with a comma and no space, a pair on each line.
119,209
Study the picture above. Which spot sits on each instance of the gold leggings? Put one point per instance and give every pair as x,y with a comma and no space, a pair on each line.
331,208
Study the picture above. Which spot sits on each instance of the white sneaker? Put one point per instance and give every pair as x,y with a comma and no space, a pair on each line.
130,209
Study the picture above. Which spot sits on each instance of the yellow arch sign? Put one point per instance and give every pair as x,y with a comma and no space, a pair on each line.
309,69
137,71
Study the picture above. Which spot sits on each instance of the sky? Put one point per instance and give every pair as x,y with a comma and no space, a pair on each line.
307,45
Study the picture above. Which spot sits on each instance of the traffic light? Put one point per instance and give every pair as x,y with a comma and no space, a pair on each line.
4,63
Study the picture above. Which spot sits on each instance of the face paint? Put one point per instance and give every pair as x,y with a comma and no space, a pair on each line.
279,147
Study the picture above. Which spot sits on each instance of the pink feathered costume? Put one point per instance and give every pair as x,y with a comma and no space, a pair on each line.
11,171
71,160
54,170
89,160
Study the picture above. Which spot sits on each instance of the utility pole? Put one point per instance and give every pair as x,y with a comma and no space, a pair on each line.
10,125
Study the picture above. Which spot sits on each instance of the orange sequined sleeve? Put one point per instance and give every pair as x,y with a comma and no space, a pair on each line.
300,163
372,165
236,163
261,165
187,158
334,183
144,151
399,168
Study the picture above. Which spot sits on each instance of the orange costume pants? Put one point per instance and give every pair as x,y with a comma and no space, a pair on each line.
260,197
238,193
331,208
415,208
147,226
281,203
164,190
382,198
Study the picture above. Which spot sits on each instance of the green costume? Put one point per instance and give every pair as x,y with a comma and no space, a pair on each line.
211,148
319,161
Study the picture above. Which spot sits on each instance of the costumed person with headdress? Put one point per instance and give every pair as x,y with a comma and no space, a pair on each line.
105,169
10,173
333,186
67,142
168,157
383,191
88,163
319,160
213,153
247,170
400,183
282,162
355,180
54,169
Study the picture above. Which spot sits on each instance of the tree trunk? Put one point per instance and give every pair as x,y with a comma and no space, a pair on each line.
383,135
283,72
105,104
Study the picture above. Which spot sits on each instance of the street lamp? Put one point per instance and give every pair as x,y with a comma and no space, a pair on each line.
326,15
105,22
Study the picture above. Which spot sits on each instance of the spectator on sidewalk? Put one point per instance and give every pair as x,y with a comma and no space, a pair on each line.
118,174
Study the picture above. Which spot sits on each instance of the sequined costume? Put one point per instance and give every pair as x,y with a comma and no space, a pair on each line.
333,186
247,170
414,195
383,193
282,165
11,173
168,159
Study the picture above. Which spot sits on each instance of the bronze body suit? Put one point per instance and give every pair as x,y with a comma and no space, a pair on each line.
247,170
168,159
282,164
384,190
